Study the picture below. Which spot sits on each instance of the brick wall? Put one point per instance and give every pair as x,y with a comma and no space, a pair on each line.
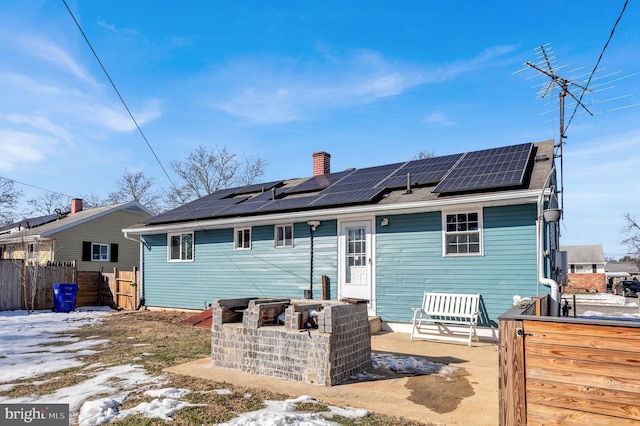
587,282
338,348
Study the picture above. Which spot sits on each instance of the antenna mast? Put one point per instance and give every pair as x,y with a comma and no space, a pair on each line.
545,67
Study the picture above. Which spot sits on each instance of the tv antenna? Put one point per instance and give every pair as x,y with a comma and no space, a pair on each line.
545,65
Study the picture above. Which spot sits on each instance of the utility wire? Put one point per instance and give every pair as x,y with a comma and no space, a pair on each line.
597,64
118,93
36,187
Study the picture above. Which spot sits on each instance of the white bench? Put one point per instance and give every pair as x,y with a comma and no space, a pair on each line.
440,311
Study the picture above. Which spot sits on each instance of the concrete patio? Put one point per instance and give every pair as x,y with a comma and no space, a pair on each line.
468,397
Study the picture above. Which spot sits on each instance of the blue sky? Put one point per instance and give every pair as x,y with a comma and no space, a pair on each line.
370,82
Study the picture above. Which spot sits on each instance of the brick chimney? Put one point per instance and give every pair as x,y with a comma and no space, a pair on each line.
76,205
321,163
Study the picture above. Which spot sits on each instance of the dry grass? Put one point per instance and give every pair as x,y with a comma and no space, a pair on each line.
156,340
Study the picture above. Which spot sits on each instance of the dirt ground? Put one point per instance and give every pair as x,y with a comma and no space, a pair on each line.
174,347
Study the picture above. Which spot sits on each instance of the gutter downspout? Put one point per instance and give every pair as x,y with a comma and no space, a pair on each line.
141,257
548,282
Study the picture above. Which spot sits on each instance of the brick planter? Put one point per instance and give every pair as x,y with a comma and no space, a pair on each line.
247,336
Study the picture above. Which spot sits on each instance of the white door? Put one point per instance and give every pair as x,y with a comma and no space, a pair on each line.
356,263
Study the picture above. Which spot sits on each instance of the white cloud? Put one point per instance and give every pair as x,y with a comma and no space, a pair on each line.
45,49
105,25
440,119
272,90
20,148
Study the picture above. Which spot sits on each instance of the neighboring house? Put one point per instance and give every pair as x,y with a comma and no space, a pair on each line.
616,271
586,268
464,223
92,237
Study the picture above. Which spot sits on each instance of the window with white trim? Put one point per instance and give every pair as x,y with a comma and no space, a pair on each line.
100,252
181,247
32,251
242,239
462,234
284,236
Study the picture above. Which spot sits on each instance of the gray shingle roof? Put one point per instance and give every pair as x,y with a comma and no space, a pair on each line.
587,254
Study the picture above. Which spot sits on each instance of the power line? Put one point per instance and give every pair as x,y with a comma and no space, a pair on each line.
118,93
598,62
36,187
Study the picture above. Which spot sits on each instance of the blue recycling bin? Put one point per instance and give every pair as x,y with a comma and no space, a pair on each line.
64,297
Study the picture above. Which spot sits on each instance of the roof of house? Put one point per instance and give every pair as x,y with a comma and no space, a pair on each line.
507,171
66,221
31,222
628,267
588,254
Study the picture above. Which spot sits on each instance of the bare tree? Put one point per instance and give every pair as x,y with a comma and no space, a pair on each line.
136,186
92,200
8,199
632,230
206,170
48,203
423,155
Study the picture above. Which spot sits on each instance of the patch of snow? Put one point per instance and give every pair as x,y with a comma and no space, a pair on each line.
167,393
618,316
599,299
405,364
280,413
156,409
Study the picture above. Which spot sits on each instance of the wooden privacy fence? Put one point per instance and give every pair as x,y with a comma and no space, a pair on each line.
568,371
10,285
25,286
123,287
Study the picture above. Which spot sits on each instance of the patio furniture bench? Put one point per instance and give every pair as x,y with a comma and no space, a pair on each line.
446,316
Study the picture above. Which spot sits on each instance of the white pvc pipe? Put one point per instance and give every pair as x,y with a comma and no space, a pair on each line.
548,282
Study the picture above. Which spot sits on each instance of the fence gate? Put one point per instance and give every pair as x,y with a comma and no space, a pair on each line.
126,288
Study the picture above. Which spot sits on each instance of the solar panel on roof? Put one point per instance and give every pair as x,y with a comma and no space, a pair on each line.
241,208
348,197
206,207
491,168
318,182
257,187
362,179
288,204
423,172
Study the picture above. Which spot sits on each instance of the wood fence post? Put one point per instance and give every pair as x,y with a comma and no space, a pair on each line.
511,375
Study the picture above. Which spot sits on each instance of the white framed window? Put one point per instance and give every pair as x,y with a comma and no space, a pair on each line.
462,233
242,239
32,251
100,252
284,236
180,247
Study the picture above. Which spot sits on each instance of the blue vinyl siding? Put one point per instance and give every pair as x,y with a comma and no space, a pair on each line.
218,271
408,258
409,261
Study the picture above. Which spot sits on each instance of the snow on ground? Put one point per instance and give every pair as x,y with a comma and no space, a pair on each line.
600,299
31,347
277,413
